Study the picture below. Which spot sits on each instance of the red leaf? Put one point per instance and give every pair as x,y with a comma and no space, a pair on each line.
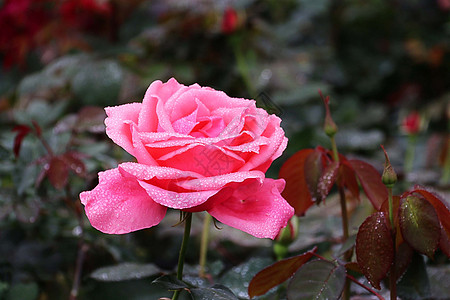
419,224
58,172
22,130
370,181
439,205
313,169
327,180
296,192
73,161
277,273
347,178
374,248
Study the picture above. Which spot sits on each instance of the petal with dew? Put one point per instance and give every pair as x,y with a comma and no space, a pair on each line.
254,208
119,124
119,205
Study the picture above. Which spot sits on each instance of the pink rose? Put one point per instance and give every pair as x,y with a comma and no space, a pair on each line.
197,149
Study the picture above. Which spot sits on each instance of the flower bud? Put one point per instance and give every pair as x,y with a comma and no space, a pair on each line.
389,177
285,237
329,127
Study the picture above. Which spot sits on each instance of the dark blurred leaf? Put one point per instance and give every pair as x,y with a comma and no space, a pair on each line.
23,291
296,190
216,292
91,118
374,248
317,279
27,177
58,172
22,132
419,224
414,285
98,83
444,243
371,182
403,257
277,273
171,282
238,277
125,271
74,162
28,211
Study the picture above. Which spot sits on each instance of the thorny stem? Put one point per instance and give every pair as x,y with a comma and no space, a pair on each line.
334,149
204,243
184,243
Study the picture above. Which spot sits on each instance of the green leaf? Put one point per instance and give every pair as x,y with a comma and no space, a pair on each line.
277,273
170,282
23,291
374,248
216,292
125,271
419,224
371,182
98,83
238,278
317,279
296,190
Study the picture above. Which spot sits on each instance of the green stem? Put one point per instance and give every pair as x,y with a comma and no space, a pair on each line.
184,243
334,149
391,207
410,153
204,243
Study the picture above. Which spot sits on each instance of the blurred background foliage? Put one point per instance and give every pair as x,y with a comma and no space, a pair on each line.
385,64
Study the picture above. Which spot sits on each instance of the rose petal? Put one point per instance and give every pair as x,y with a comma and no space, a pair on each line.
218,182
176,200
208,160
119,205
267,153
119,122
254,208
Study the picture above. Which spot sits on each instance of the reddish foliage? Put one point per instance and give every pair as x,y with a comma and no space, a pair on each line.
22,130
374,248
277,273
296,190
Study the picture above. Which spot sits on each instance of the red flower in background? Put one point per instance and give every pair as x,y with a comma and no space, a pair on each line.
230,21
20,23
412,123
83,14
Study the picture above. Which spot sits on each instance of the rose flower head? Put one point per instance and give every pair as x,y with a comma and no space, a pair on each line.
197,149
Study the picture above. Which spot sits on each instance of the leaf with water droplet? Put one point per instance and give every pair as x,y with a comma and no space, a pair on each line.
419,224
296,191
327,180
318,279
374,248
313,169
125,271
